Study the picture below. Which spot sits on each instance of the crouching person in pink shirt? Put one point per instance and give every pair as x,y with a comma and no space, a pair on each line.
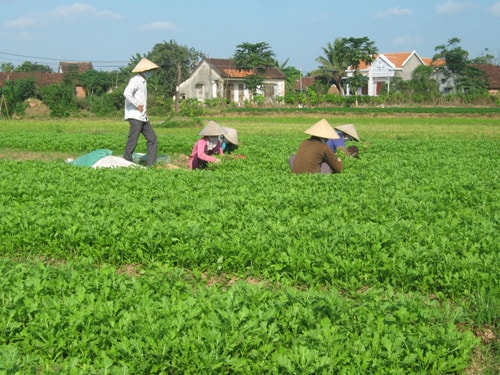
205,148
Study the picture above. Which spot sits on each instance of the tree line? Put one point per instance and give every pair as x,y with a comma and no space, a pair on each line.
104,88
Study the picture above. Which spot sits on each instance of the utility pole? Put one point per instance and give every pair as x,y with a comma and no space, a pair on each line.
177,87
3,103
300,79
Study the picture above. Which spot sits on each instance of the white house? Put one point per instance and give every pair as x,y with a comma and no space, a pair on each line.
219,78
385,67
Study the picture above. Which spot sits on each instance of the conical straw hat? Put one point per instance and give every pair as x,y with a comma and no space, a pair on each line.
322,129
231,135
144,65
348,129
212,129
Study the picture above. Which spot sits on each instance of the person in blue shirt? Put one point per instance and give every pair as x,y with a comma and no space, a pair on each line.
346,133
229,140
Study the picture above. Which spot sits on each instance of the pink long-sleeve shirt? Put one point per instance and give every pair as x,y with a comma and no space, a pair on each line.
201,155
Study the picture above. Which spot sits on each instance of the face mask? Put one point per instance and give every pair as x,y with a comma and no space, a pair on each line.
148,74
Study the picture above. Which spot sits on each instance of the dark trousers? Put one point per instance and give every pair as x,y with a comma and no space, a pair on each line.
145,128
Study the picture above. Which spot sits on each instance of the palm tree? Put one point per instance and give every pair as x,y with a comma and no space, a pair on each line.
345,53
332,65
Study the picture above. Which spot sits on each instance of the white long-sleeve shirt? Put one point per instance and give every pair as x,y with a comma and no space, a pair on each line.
136,94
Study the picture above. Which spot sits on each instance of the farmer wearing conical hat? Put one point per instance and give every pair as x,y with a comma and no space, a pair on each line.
314,155
136,97
229,140
206,147
345,132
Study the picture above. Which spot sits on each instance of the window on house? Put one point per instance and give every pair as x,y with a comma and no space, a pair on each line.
199,88
268,91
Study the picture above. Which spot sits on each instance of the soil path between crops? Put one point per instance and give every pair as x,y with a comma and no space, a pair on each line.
177,161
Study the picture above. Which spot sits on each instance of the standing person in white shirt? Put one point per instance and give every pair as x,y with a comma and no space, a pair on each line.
136,97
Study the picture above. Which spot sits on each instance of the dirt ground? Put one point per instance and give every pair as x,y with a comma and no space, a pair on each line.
176,161
32,155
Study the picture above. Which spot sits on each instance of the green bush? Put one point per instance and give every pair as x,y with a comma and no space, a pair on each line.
60,99
15,93
190,107
103,106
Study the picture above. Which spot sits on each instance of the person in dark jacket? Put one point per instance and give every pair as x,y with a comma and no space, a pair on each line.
314,155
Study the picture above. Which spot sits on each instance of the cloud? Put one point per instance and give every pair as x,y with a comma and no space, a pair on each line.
25,23
159,26
81,10
63,13
395,12
495,9
451,6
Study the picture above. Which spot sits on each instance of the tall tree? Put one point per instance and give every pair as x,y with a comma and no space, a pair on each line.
345,53
95,82
256,57
461,76
455,57
172,57
332,66
31,67
7,67
485,58
423,83
357,51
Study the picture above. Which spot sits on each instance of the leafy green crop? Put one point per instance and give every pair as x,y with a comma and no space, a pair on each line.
388,267
74,318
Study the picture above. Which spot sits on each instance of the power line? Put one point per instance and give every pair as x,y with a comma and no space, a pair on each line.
65,60
53,63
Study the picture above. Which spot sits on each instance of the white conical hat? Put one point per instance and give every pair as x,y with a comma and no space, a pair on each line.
231,135
144,65
322,129
212,129
348,129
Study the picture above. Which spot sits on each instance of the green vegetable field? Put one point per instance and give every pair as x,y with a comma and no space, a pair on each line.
391,267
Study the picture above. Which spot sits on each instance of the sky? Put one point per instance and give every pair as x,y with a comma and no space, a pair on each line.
109,33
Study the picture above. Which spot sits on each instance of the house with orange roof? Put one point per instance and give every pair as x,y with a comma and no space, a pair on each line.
220,78
385,68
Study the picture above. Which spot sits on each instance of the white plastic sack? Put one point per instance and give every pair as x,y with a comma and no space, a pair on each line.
113,162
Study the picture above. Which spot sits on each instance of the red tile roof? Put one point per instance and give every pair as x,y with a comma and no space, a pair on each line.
429,62
227,69
363,65
493,73
399,59
45,79
306,82
41,79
